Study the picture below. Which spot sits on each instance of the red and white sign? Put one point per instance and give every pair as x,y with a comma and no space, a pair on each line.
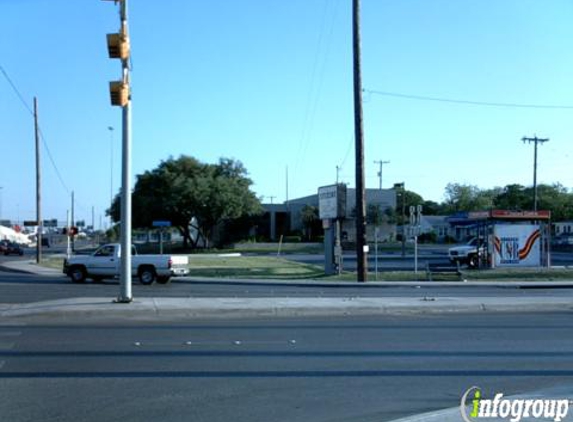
517,245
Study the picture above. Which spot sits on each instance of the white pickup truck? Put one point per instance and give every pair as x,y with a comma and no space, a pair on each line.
468,254
105,262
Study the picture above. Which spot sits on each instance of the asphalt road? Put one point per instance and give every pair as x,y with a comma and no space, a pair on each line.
275,370
25,288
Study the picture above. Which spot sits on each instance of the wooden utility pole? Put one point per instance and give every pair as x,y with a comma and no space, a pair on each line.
381,163
361,244
535,141
38,186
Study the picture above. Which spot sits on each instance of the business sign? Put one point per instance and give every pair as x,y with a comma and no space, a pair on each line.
332,202
517,245
521,215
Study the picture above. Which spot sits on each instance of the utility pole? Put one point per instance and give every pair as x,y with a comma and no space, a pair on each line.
361,245
38,186
338,168
381,163
535,141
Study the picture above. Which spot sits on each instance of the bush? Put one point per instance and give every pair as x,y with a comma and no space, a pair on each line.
292,239
428,237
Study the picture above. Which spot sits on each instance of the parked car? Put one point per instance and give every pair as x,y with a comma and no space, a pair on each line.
467,254
13,249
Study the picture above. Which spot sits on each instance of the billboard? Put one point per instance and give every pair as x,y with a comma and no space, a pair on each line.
517,245
332,202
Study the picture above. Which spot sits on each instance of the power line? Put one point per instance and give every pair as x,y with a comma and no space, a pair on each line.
16,91
467,102
42,137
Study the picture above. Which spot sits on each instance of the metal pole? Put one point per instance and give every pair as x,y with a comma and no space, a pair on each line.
416,254
376,232
535,175
110,128
68,244
38,186
361,245
403,219
73,223
125,295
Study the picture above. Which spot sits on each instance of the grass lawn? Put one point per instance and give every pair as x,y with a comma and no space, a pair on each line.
270,267
251,267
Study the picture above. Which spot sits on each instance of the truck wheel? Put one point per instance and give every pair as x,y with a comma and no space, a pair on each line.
163,280
78,274
147,275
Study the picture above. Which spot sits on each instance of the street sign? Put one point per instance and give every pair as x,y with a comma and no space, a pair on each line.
161,223
332,202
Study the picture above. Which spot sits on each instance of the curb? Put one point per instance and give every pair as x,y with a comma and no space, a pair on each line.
231,308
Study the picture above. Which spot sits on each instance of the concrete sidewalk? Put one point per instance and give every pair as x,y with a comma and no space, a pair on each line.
30,267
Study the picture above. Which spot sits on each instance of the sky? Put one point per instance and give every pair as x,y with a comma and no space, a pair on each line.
269,83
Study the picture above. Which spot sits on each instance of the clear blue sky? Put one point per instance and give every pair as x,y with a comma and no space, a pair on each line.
269,82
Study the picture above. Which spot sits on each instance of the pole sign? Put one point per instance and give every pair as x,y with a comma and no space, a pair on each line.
332,202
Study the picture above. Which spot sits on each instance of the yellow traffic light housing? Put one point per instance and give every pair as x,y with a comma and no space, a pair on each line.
118,46
119,93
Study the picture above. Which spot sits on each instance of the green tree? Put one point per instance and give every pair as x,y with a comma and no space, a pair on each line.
513,197
466,198
309,215
184,190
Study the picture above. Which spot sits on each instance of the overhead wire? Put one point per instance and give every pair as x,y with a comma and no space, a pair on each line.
42,137
466,102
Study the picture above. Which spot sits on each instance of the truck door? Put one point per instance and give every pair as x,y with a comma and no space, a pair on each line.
104,261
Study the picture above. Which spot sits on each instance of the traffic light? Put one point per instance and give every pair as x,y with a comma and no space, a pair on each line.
119,93
118,46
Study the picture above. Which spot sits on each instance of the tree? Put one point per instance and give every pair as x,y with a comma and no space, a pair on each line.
184,190
466,198
513,197
309,215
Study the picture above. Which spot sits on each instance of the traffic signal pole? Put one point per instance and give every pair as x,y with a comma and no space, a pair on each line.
118,48
125,295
